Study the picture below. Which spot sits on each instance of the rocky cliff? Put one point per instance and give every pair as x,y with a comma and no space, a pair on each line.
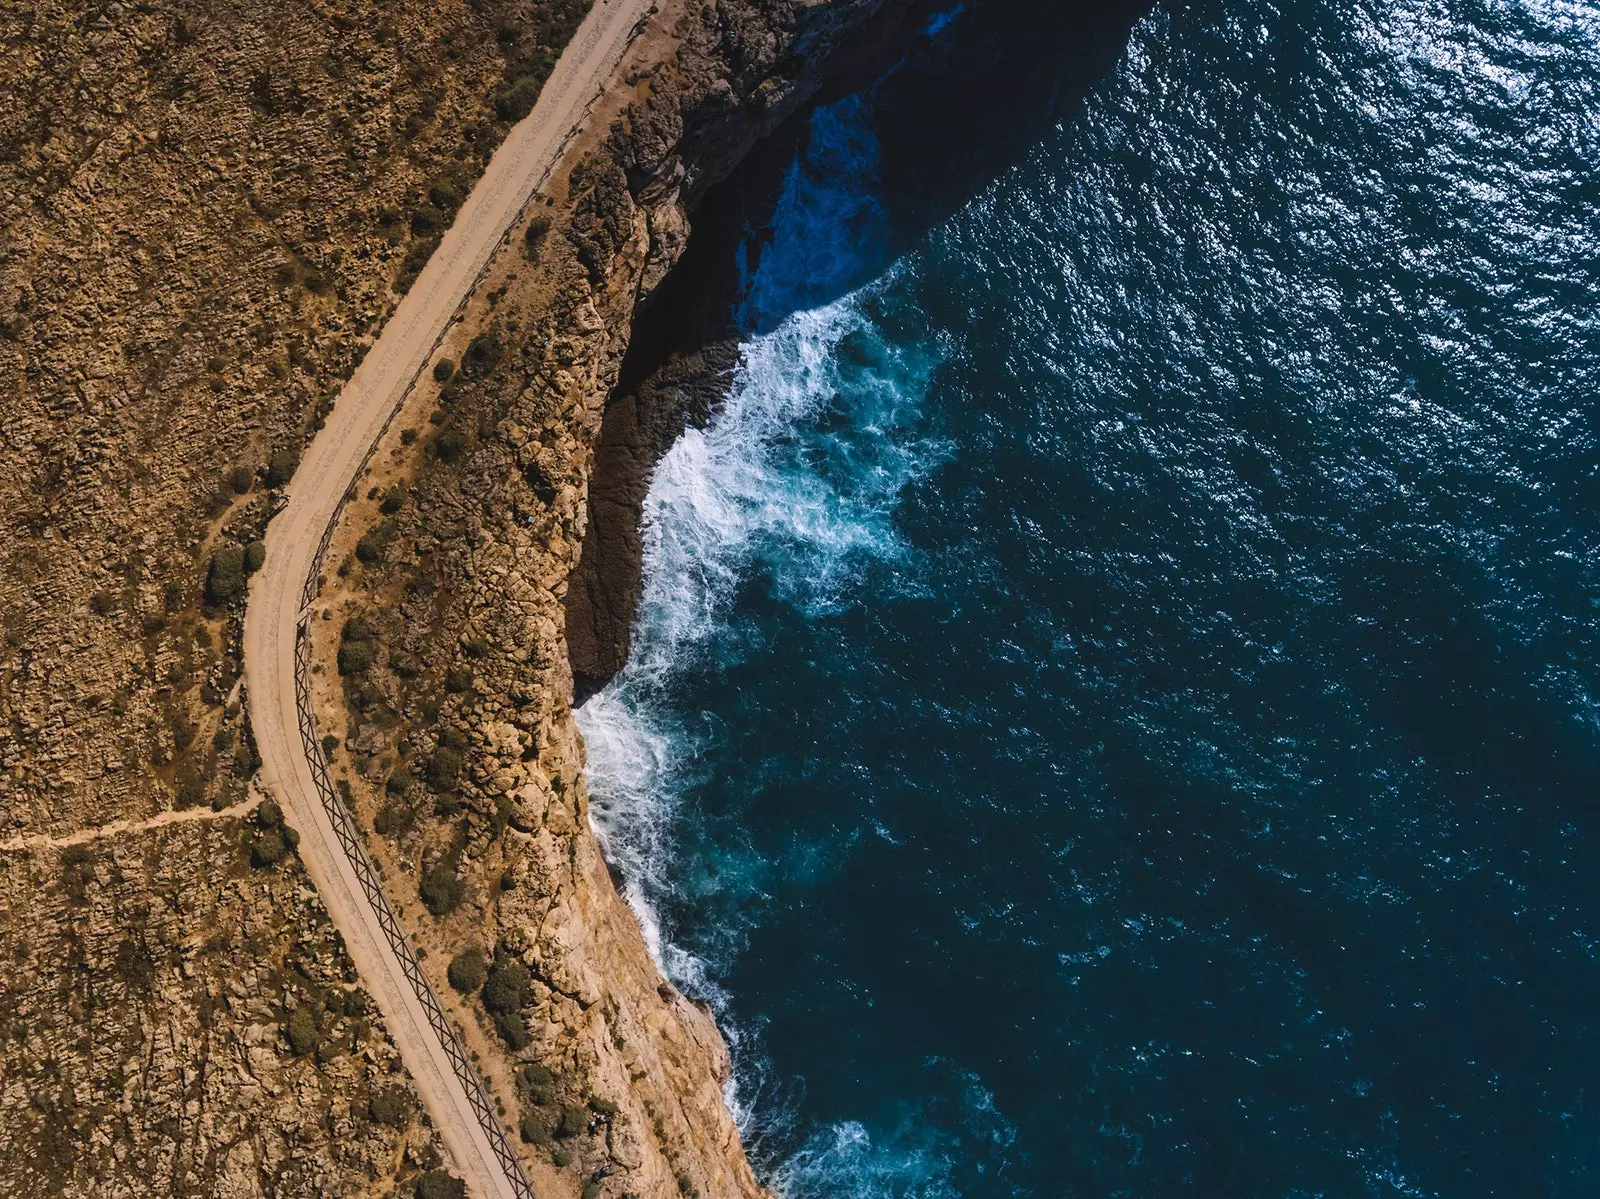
445,680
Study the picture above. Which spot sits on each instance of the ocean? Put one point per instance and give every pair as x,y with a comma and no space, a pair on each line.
1115,707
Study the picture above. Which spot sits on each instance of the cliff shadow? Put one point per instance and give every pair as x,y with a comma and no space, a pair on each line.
959,94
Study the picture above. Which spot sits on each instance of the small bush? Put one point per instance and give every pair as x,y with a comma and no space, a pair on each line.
513,1030
441,889
302,1031
357,648
450,445
574,1120
442,370
459,679
603,1107
356,656
562,1157
507,986
269,814
440,1184
517,100
393,500
241,479
391,1106
370,549
225,578
591,1190
538,1082
428,219
269,849
445,195
255,556
281,467
392,817
533,237
191,789
535,1129
444,768
467,971
482,355
416,258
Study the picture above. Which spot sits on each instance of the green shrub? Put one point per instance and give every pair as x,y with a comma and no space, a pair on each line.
416,258
393,500
533,236
281,467
302,1031
241,479
444,768
446,195
450,445
440,1184
255,556
507,986
428,219
191,788
391,1106
357,647
482,355
591,1190
467,970
538,1082
535,1129
513,1030
225,578
441,889
517,101
356,656
574,1120
603,1107
391,818
562,1157
442,370
269,849
269,814
370,549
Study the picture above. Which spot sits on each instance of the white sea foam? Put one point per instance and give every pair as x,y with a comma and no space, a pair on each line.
762,489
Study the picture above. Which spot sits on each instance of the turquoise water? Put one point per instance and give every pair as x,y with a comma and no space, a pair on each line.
1114,707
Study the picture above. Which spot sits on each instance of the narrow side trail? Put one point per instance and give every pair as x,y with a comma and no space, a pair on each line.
283,591
42,841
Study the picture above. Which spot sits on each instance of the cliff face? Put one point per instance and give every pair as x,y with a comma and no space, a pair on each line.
445,663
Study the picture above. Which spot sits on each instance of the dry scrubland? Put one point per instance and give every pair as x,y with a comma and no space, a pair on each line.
205,208
205,212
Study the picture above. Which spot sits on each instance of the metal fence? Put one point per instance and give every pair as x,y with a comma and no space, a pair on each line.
344,825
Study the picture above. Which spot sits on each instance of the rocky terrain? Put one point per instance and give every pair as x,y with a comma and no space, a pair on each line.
445,687
177,1017
206,211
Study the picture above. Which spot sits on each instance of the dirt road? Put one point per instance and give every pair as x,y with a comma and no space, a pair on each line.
328,469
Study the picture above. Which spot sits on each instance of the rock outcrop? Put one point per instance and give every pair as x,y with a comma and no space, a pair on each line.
446,675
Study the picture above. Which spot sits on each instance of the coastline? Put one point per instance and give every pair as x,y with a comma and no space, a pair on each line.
475,561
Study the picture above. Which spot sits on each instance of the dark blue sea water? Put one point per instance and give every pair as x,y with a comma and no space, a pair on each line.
1116,708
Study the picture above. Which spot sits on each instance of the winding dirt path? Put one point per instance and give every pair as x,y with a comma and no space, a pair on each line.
330,467
84,835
